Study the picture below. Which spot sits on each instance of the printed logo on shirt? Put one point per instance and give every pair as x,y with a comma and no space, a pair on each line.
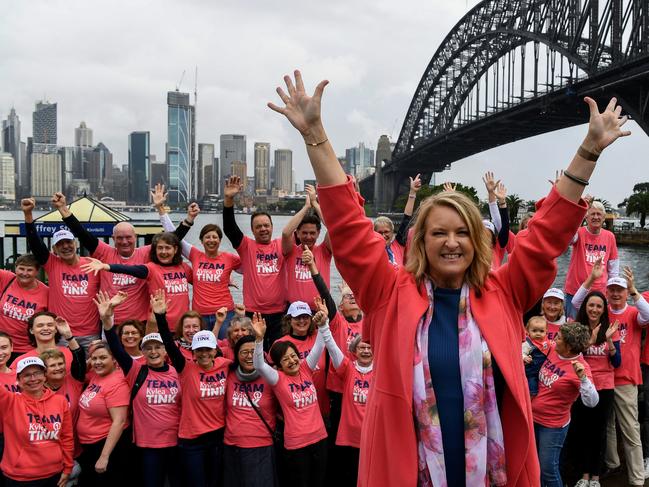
209,272
123,280
212,385
74,284
161,391
303,394
549,373
43,428
302,272
18,308
622,330
240,398
88,395
594,252
267,263
597,350
13,388
175,282
361,387
552,335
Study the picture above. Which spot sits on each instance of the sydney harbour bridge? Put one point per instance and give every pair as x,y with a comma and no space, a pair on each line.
512,69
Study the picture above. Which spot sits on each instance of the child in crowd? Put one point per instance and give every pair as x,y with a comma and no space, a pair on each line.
535,351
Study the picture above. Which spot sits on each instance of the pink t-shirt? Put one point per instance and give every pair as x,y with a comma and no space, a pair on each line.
71,293
18,305
32,352
103,392
356,388
398,253
644,356
156,407
299,284
552,330
71,390
597,357
211,281
137,305
203,398
175,281
226,349
344,333
585,251
558,389
263,278
243,427
630,332
8,381
319,374
297,395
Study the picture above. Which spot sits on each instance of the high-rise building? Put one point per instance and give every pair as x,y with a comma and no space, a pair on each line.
360,160
120,183
101,170
83,136
69,158
7,176
45,123
205,169
180,147
139,155
262,167
232,148
240,168
46,175
158,173
11,143
284,170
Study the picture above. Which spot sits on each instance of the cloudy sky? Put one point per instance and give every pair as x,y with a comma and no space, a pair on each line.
111,62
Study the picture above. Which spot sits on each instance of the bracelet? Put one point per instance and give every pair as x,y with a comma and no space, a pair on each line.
575,179
586,154
315,144
412,196
188,223
71,338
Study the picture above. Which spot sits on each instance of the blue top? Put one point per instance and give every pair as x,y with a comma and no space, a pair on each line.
444,363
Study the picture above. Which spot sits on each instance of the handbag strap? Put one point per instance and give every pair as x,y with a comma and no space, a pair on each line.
261,416
7,286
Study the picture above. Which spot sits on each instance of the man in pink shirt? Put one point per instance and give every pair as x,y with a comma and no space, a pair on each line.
590,243
262,261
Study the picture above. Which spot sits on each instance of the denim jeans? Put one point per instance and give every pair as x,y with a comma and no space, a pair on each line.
158,465
249,467
201,459
549,442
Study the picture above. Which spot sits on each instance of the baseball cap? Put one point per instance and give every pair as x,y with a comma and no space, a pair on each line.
298,308
151,337
489,226
27,362
61,235
203,339
616,281
554,292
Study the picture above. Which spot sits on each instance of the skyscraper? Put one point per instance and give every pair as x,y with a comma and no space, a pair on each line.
240,168
45,123
101,170
360,160
12,144
284,170
69,161
232,148
262,167
7,186
138,166
205,169
83,136
46,175
180,147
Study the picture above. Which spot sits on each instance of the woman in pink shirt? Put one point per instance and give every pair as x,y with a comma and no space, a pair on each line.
552,310
588,429
130,334
7,374
103,417
240,326
190,323
43,332
305,436
251,408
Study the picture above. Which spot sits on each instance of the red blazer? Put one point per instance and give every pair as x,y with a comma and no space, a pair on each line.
396,304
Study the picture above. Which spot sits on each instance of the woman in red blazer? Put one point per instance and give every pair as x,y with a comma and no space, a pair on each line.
446,332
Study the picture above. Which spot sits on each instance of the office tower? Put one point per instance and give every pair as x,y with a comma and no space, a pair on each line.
46,175
158,173
205,169
232,148
69,160
284,170
83,136
262,167
45,123
120,183
100,170
11,143
240,168
139,155
360,160
180,147
7,177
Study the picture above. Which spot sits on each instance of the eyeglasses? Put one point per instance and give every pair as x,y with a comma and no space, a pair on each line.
130,333
246,353
348,296
288,359
34,375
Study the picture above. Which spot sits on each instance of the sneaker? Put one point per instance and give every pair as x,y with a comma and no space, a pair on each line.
646,468
594,483
582,483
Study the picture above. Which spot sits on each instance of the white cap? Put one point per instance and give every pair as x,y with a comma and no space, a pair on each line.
27,362
616,281
554,292
489,226
61,235
151,337
203,339
298,308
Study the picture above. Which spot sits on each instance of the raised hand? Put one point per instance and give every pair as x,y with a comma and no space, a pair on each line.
158,302
593,334
500,192
221,314
578,368
259,325
612,329
192,212
58,200
557,176
232,187
449,187
630,279
239,309
604,128
104,306
415,183
158,195
95,266
307,256
27,205
490,182
320,304
63,327
598,269
310,191
320,318
302,110
588,198
118,298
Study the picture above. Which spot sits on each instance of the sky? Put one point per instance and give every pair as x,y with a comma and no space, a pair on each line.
111,63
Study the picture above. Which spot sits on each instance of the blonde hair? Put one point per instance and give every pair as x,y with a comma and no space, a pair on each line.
597,205
384,220
417,262
51,353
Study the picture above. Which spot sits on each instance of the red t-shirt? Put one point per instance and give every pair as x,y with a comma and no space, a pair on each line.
630,333
344,333
156,407
137,305
226,349
203,398
263,279
103,392
243,427
211,281
299,284
356,388
175,281
552,330
32,352
585,251
297,395
319,374
558,389
18,305
71,293
597,357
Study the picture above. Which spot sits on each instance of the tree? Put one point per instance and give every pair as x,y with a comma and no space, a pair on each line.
638,202
530,206
608,207
427,191
514,203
